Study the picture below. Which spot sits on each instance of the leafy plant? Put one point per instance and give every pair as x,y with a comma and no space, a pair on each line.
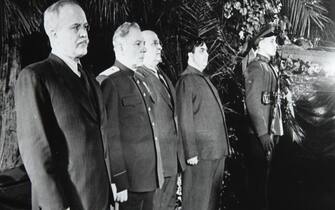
19,18
303,15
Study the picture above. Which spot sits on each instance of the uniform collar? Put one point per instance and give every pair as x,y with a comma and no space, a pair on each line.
122,67
263,58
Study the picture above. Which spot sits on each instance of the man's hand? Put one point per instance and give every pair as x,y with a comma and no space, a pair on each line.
119,196
193,161
122,196
267,142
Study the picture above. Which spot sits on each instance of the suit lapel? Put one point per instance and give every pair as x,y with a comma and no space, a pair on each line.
170,92
173,99
98,97
192,70
73,84
162,90
157,84
214,91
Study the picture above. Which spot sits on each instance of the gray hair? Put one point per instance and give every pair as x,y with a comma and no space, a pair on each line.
123,30
51,14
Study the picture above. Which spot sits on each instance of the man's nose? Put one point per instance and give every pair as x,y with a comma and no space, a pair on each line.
83,32
143,48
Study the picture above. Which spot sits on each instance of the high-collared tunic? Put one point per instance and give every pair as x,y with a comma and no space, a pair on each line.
262,97
131,134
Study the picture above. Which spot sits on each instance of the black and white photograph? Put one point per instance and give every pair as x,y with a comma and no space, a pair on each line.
167,105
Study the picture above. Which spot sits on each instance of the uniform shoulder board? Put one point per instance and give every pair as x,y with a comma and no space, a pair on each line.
110,71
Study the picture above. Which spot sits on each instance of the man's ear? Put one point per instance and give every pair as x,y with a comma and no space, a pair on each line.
52,34
190,55
118,48
260,44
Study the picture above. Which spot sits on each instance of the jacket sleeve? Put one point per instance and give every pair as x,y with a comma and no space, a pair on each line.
35,130
116,157
255,84
185,116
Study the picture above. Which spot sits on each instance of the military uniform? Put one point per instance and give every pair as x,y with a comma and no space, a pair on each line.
262,93
263,107
130,130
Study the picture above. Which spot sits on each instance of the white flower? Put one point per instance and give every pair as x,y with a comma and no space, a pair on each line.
237,5
241,34
227,15
227,6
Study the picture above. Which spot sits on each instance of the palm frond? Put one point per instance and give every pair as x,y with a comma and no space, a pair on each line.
106,12
304,15
18,18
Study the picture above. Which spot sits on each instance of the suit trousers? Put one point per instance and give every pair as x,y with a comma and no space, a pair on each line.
138,201
202,184
165,198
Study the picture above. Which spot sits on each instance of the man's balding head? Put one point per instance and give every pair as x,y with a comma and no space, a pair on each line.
153,46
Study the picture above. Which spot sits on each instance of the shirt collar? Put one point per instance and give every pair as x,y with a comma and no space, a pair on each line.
153,70
194,70
73,65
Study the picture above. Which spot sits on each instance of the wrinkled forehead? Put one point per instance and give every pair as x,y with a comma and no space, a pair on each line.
134,35
71,14
150,36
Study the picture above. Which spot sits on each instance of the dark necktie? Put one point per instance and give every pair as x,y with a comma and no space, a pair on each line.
86,83
83,77
163,81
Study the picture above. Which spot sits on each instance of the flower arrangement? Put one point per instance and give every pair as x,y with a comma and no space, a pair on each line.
300,75
248,16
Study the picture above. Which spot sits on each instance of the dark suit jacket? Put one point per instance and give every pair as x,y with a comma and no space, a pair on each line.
128,103
164,110
60,137
261,79
201,117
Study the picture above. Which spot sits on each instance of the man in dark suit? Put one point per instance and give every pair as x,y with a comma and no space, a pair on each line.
263,105
60,119
204,133
164,111
129,103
